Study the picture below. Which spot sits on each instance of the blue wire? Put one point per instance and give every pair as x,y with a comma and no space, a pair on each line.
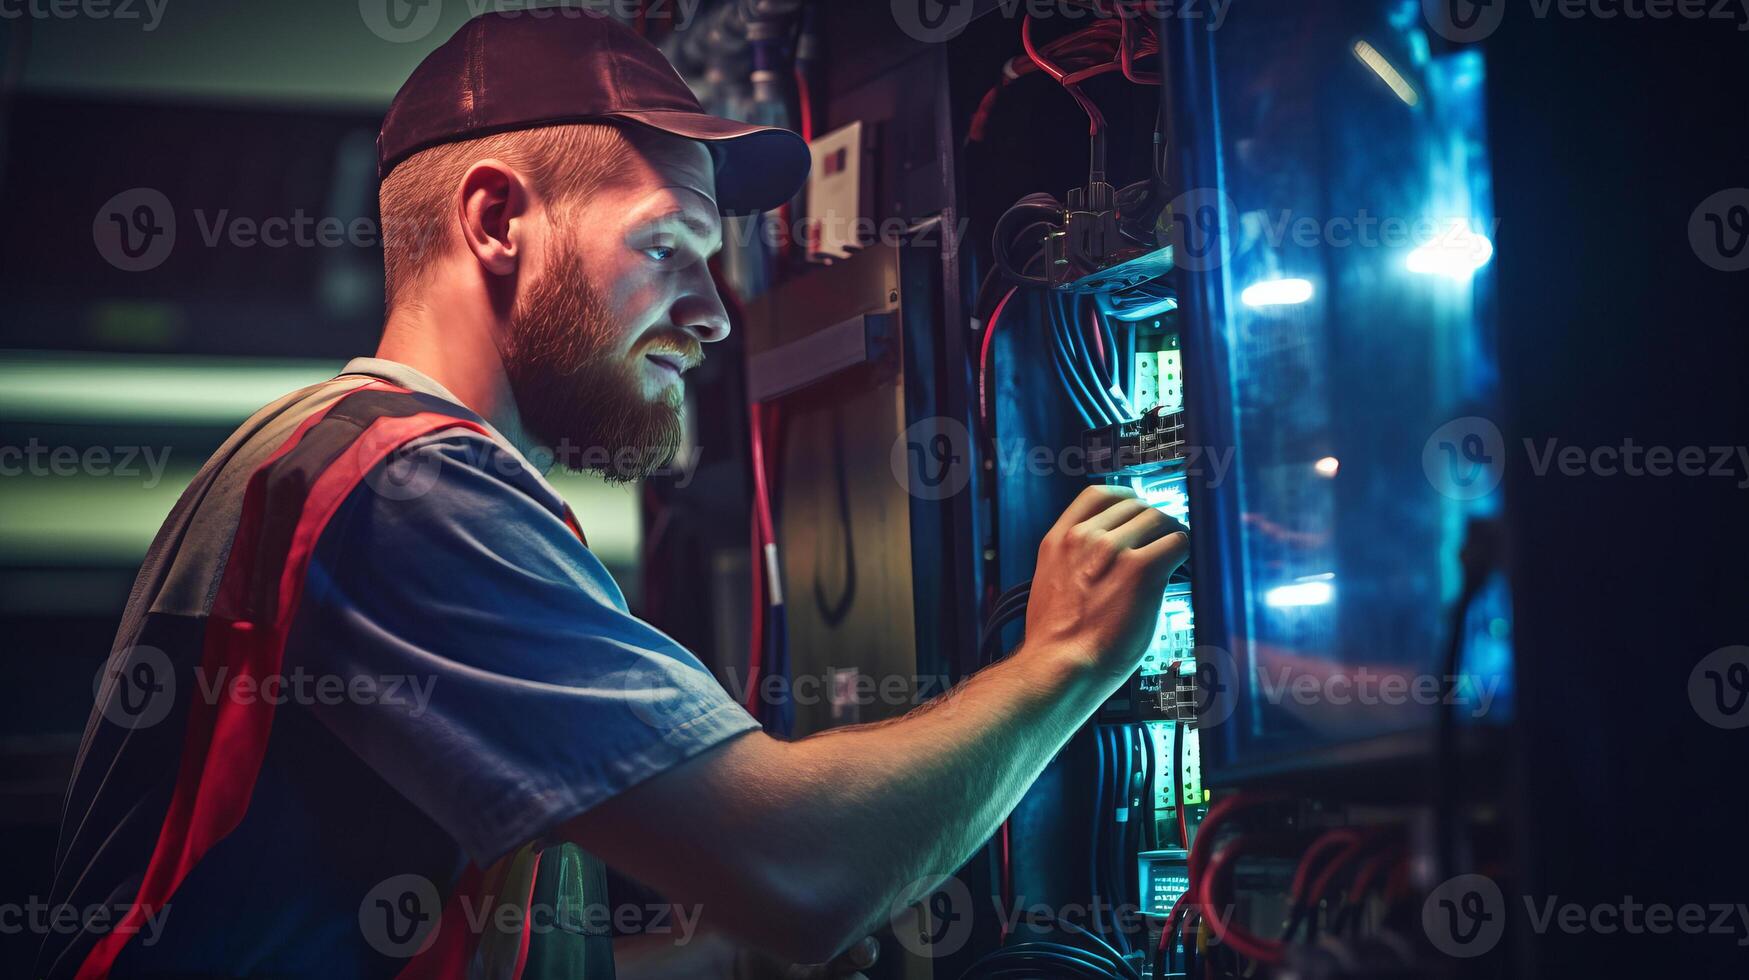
1082,357
1069,366
1061,360
1098,822
1123,837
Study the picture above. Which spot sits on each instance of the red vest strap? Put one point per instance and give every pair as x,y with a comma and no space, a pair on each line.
226,737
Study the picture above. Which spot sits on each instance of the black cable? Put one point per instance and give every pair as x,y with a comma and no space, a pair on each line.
834,611
1024,960
1124,788
1011,961
989,642
1043,210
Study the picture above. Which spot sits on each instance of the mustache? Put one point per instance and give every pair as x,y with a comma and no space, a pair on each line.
685,347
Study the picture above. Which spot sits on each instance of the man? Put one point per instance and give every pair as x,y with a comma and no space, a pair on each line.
373,688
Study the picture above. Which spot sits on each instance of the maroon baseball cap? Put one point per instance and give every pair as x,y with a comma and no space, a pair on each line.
522,69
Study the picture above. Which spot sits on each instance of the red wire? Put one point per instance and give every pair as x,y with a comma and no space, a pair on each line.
1098,335
1199,862
1224,928
763,534
804,105
1326,841
984,354
1095,119
1363,878
1350,851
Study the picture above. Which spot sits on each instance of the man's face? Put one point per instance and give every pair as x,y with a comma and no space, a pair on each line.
618,311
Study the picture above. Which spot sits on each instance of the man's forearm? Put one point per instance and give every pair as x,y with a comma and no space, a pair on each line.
800,846
880,812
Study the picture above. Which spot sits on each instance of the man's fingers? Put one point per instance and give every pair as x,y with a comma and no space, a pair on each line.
1115,516
1144,526
1091,501
1170,549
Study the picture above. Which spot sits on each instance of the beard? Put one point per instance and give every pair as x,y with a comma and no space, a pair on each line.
577,395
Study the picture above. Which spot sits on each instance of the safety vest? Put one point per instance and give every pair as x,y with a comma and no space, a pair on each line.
218,750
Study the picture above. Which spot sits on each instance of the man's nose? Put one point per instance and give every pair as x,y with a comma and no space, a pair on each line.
701,314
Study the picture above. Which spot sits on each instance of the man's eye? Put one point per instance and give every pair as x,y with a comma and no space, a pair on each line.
661,253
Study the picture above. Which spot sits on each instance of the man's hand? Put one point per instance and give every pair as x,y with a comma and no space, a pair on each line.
1102,569
753,965
803,847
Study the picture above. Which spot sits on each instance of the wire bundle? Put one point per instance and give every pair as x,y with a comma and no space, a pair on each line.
1008,607
1042,960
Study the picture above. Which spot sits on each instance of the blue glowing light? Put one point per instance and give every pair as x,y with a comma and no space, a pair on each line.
1276,292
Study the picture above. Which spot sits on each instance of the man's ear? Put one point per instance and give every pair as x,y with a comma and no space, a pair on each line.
494,199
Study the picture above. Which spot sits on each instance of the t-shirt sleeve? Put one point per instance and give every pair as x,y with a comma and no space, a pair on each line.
492,672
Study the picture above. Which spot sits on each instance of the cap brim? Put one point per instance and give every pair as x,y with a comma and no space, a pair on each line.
758,167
